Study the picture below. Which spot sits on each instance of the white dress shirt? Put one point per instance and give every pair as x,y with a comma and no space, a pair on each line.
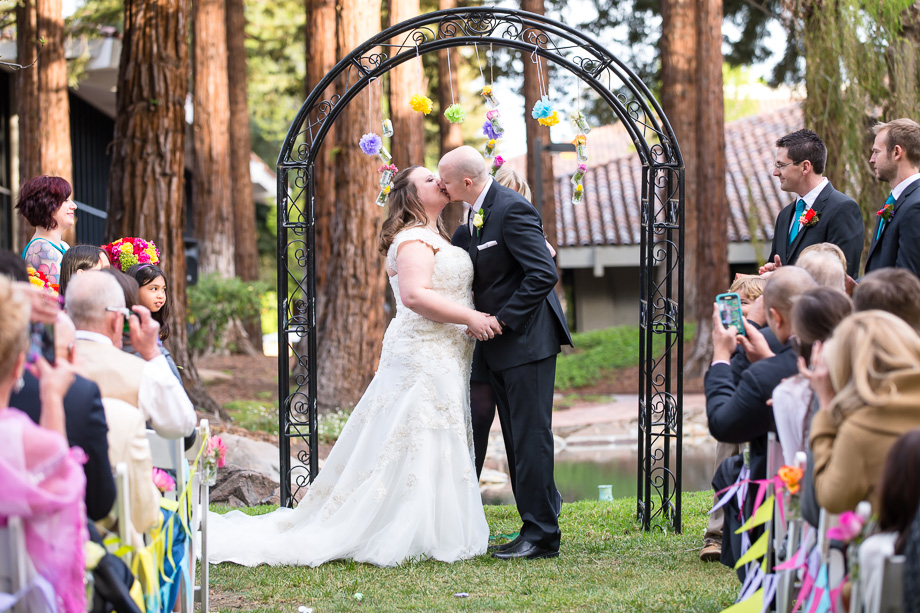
160,396
474,208
809,199
898,189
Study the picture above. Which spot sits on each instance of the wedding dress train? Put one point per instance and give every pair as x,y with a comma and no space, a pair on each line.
400,482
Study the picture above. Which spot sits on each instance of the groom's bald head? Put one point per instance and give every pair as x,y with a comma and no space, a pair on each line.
463,173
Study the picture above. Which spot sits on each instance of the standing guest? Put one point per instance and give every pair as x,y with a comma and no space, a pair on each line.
45,202
41,480
896,161
895,290
867,380
819,214
80,258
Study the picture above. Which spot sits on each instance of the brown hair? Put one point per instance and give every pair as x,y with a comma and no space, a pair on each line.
899,487
404,210
904,133
14,326
895,290
815,315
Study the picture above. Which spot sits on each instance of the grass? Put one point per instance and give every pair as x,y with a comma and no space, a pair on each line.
599,352
607,564
254,415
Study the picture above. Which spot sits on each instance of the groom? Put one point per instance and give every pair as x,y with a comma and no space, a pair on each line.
514,277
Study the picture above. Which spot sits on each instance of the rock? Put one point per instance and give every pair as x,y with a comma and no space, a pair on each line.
490,477
239,487
257,456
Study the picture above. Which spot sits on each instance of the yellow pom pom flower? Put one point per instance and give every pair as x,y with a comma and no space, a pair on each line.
549,121
420,104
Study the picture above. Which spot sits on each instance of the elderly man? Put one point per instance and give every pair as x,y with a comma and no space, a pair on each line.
96,304
513,280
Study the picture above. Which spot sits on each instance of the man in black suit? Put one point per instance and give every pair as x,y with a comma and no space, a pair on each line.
896,159
738,412
85,423
819,214
514,277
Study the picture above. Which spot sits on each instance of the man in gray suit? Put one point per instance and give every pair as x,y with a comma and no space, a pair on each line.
896,159
819,214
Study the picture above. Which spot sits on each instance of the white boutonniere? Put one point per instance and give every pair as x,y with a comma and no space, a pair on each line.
478,221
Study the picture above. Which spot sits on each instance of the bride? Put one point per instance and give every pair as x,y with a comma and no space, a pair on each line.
400,482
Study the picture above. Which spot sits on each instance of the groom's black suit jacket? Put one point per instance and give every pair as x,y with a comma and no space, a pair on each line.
514,280
839,222
899,245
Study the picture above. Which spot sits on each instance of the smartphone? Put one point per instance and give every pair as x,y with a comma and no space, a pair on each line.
42,343
730,311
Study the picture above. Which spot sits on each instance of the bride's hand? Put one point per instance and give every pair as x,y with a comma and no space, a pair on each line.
483,326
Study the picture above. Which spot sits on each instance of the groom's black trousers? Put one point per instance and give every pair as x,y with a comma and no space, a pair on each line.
525,410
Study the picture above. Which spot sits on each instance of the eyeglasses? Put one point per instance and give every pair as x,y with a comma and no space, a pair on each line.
126,313
781,165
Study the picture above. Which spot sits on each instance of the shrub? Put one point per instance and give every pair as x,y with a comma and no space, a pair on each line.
214,304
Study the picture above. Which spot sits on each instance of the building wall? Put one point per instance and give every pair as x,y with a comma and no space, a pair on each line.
609,300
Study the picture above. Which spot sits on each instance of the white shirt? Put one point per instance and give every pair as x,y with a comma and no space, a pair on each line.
161,397
791,401
810,198
474,208
898,189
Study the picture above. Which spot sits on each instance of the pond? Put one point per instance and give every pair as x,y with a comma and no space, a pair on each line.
578,475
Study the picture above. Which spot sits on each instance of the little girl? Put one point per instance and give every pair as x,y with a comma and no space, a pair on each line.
152,294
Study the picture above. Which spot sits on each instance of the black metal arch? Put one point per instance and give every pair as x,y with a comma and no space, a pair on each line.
661,276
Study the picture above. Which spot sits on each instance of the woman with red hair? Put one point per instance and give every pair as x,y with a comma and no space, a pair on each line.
45,202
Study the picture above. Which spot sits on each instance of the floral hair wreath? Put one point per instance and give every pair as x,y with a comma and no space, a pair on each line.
128,251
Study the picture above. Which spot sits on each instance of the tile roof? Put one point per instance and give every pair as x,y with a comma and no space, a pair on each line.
609,213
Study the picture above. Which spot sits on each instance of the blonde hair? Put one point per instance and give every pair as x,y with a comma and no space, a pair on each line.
14,325
867,351
824,265
513,179
749,285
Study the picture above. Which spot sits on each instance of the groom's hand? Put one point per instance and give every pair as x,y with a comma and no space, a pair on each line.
483,327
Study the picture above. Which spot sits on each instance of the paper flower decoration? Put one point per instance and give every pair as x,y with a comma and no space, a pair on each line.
126,252
40,280
163,481
549,121
490,148
386,174
579,174
579,194
383,195
542,109
791,476
420,104
455,113
487,94
217,450
490,132
578,118
849,526
496,164
370,143
496,118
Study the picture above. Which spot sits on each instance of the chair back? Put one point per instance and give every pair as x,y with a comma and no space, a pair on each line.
892,600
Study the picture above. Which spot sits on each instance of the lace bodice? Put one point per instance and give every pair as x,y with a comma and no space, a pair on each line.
453,270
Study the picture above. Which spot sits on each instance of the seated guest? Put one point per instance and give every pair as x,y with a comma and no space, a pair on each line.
80,258
867,380
96,304
898,496
41,479
740,413
814,317
85,419
896,290
128,444
827,266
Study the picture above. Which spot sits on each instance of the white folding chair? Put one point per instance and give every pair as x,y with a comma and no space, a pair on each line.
198,522
14,560
892,600
123,508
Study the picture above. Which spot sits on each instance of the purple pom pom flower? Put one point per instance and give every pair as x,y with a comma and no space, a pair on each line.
490,131
370,143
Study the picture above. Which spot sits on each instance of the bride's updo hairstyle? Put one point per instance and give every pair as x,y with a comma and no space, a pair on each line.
867,353
404,210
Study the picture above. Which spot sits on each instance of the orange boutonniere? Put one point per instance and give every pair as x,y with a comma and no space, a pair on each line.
810,218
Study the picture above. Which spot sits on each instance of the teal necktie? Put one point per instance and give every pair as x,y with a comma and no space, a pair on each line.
799,209
881,223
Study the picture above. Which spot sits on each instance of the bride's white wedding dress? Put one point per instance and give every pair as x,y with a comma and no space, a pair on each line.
400,482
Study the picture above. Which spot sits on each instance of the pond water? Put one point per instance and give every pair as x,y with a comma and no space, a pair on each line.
578,475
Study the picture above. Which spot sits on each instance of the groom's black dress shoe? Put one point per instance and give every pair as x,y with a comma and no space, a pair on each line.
505,546
525,550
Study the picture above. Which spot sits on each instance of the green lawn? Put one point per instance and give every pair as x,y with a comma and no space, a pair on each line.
607,564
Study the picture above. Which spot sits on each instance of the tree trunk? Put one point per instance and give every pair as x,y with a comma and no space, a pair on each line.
211,196
451,134
44,109
352,322
244,207
408,142
547,206
712,226
147,183
321,57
